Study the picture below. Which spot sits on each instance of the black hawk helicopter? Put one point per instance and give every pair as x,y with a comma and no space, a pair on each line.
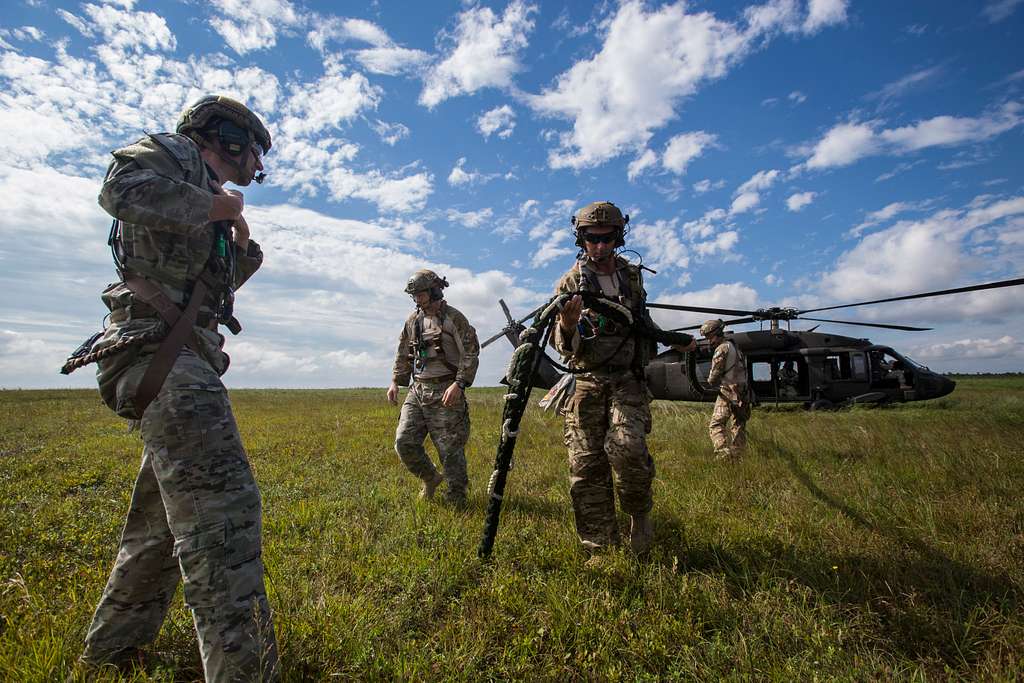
818,369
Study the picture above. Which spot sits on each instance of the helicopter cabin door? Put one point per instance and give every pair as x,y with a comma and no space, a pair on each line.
780,378
844,375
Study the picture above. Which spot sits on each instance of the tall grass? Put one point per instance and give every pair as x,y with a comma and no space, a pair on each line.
857,545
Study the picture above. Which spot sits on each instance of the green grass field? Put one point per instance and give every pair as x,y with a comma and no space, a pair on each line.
858,545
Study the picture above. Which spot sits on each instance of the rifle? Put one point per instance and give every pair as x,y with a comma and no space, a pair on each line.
520,376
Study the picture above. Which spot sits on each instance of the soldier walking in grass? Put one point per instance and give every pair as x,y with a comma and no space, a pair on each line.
439,351
608,417
182,246
728,373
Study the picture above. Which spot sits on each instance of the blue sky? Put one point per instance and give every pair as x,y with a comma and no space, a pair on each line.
788,152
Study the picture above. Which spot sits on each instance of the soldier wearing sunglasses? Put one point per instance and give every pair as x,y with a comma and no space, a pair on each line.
608,417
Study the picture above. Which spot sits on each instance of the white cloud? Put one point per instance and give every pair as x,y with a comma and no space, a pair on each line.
1003,347
383,57
126,30
500,121
684,148
821,13
76,23
660,244
997,10
344,29
648,62
885,213
721,246
846,143
471,219
400,194
935,252
248,25
392,60
645,160
759,182
390,133
908,83
951,130
744,202
797,201
735,295
460,176
24,34
706,185
797,97
333,99
485,53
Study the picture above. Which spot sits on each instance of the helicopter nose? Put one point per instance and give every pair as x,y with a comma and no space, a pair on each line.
946,386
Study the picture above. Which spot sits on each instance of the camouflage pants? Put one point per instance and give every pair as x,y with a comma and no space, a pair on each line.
606,425
423,414
195,516
728,440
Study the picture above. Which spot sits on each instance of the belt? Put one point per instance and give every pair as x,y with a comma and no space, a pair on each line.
140,311
447,379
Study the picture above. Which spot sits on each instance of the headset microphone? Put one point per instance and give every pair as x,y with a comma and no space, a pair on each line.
259,178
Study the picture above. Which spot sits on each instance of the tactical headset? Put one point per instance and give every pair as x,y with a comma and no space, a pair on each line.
236,141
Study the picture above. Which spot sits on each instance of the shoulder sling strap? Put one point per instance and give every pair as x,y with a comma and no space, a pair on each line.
180,323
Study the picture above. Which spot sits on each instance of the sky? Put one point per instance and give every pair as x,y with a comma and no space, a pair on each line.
785,152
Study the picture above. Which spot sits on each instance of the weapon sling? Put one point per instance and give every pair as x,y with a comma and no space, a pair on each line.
180,324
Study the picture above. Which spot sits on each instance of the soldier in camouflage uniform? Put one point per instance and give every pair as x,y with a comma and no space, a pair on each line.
439,351
728,373
608,417
195,512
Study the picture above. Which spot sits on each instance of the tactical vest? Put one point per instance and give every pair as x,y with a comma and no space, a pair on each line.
168,257
622,347
420,351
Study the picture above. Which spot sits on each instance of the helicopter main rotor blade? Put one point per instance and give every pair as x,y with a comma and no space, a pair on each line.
504,308
958,290
887,326
511,323
734,321
699,309
493,339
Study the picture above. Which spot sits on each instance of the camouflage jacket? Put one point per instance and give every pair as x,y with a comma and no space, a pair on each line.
585,353
159,189
729,372
456,327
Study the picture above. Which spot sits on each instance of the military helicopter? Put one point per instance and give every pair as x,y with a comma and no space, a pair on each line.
821,370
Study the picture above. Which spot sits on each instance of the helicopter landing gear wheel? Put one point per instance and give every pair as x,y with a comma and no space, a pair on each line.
822,404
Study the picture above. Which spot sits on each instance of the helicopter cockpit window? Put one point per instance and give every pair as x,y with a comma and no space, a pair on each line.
888,371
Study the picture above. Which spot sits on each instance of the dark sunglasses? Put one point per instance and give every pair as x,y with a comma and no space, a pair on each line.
601,239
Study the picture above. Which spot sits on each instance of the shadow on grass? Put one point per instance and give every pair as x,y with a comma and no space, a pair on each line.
928,606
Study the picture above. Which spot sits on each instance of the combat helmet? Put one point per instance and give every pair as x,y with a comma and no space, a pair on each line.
209,114
600,213
426,280
712,328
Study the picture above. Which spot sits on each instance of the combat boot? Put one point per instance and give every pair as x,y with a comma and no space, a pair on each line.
126,662
641,533
457,499
430,485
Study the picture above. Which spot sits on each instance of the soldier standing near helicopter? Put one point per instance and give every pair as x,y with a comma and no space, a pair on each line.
608,417
180,241
438,350
728,373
